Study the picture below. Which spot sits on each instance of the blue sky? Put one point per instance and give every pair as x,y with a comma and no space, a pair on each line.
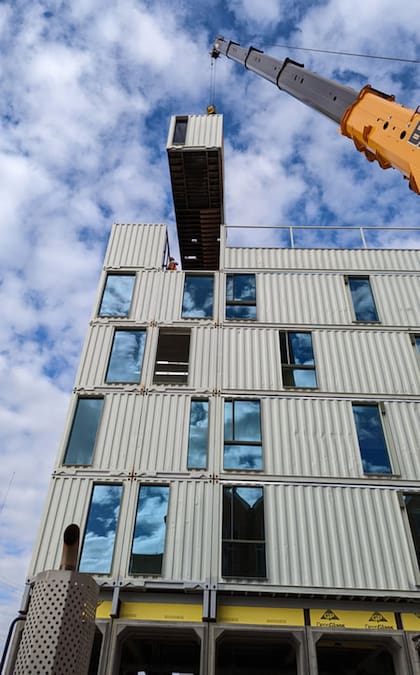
87,90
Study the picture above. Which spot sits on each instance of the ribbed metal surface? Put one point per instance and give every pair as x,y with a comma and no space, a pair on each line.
347,361
349,538
203,131
321,259
134,245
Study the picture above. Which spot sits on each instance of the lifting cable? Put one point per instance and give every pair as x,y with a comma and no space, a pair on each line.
363,56
212,92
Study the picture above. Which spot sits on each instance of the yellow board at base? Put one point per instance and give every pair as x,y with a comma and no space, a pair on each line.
153,611
410,621
271,616
341,618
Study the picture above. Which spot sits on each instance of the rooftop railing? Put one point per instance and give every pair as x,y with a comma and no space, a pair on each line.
297,236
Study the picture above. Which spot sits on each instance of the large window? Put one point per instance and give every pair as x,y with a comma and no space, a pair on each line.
83,431
297,360
116,300
101,526
126,356
371,438
243,446
197,302
198,434
243,543
149,533
180,131
172,357
412,504
240,296
362,297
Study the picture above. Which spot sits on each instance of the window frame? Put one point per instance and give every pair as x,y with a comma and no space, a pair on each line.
232,539
415,554
189,275
173,381
240,303
117,316
75,409
289,366
191,467
117,525
237,442
126,329
180,119
368,278
392,460
148,574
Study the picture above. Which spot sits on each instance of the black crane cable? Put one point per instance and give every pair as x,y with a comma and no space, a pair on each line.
331,51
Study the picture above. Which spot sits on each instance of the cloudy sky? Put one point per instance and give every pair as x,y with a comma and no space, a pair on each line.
87,88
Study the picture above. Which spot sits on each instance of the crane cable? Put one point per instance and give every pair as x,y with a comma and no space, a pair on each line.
211,108
330,51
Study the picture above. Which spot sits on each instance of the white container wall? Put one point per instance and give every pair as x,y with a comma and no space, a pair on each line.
133,245
203,131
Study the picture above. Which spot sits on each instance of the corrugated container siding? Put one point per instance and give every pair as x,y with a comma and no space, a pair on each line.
316,537
347,260
203,131
347,361
134,245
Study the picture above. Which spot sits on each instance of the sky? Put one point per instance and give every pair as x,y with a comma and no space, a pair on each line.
87,89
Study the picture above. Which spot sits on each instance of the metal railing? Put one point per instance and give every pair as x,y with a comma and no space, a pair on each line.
326,236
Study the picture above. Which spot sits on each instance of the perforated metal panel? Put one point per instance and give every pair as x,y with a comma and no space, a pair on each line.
60,625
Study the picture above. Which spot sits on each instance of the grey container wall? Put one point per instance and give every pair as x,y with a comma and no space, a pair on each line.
203,131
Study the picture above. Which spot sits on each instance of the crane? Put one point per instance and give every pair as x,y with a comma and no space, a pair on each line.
380,128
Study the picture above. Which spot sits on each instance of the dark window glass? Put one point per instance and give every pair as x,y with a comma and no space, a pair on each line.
243,447
417,342
98,543
412,503
363,302
116,300
297,358
83,431
149,533
371,437
172,358
198,436
240,296
126,356
180,131
243,537
198,296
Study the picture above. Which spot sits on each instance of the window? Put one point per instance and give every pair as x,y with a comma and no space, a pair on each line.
412,504
116,299
297,360
415,339
197,302
101,526
243,447
172,358
198,436
83,431
240,296
126,356
371,438
150,529
362,297
243,543
180,131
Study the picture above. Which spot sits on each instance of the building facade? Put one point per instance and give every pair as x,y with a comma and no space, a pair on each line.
242,455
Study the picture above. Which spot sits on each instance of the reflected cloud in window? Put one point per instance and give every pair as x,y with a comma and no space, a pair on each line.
116,300
241,296
198,296
149,534
198,435
98,543
242,446
126,356
363,302
371,439
243,532
83,432
297,357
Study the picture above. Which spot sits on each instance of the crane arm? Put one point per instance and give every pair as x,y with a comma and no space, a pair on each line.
382,129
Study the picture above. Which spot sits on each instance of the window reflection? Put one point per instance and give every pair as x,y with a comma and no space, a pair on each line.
126,356
149,534
243,544
371,438
240,296
198,435
98,544
116,300
198,296
297,357
243,449
363,302
83,432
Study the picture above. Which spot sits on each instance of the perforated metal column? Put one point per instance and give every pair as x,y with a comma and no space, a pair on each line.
60,625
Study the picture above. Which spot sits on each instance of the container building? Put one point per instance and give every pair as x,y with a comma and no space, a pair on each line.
242,448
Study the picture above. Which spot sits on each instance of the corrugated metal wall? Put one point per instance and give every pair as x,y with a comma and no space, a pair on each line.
203,131
131,245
